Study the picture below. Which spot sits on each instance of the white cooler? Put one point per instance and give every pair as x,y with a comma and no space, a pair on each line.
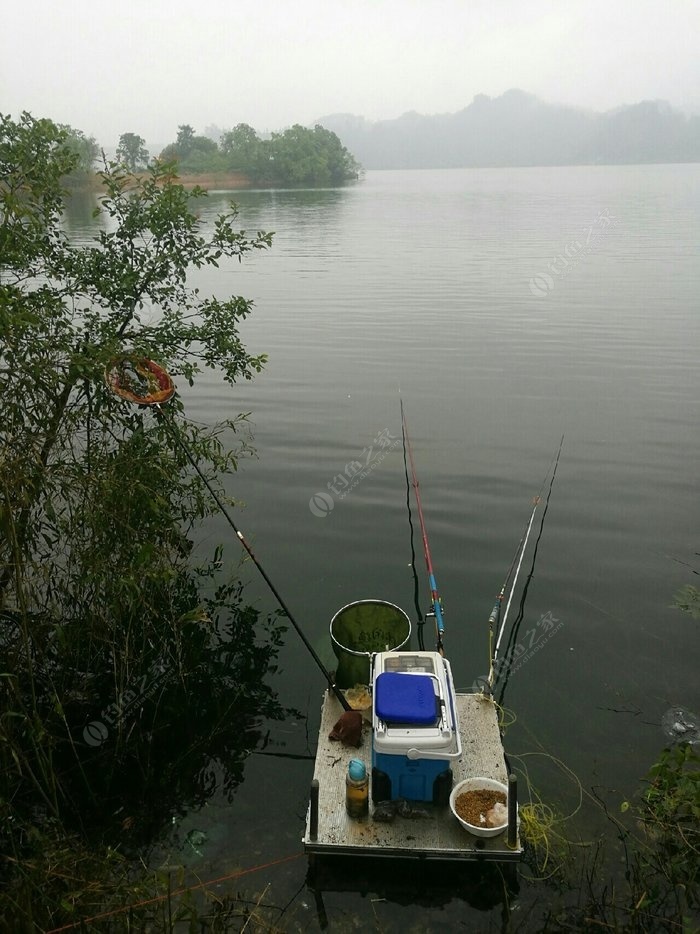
415,733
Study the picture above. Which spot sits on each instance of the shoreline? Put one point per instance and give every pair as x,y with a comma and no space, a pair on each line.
228,181
211,181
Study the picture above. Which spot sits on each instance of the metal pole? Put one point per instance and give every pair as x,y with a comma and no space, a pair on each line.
512,810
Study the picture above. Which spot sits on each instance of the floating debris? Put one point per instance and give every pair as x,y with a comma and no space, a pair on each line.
196,839
681,725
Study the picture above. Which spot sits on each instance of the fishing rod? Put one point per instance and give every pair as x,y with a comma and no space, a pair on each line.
420,616
143,382
494,618
435,598
521,609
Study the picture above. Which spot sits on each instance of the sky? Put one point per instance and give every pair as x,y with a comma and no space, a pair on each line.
145,67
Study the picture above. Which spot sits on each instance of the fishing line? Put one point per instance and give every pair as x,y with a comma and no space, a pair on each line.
416,586
434,595
143,382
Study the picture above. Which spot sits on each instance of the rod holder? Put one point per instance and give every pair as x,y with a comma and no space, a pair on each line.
512,811
313,810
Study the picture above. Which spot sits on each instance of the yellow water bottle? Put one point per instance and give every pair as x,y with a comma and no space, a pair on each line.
357,789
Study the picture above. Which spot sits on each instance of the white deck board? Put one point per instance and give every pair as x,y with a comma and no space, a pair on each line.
437,836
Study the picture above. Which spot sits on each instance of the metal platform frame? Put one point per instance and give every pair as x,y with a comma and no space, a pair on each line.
438,835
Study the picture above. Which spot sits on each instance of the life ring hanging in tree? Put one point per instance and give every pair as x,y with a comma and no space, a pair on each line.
138,379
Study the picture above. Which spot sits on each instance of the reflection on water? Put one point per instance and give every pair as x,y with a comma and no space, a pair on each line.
411,884
179,733
79,216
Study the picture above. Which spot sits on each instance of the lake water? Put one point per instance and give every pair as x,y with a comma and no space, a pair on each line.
506,307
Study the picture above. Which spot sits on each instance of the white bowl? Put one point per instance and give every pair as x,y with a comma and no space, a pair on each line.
477,784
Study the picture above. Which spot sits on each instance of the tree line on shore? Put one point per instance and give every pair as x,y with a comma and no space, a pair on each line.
296,156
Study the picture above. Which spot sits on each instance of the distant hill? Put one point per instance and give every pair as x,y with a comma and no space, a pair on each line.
519,129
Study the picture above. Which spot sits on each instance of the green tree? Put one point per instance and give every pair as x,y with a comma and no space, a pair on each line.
185,140
193,153
203,156
169,154
97,296
311,157
33,160
339,164
242,148
132,152
298,156
97,498
295,157
84,148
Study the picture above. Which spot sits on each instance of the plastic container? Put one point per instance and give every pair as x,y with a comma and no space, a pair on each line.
478,784
357,789
360,629
415,734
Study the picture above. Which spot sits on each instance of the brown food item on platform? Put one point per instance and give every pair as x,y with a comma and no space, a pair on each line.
472,806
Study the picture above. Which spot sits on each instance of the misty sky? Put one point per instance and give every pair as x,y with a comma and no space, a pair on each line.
145,67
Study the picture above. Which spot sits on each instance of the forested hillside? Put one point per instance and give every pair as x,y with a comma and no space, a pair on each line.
519,129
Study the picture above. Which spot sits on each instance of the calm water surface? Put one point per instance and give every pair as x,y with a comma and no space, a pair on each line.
508,307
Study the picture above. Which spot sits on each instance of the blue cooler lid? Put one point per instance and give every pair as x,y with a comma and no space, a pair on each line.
405,698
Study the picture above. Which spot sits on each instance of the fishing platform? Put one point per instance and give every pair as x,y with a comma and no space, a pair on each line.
440,785
422,825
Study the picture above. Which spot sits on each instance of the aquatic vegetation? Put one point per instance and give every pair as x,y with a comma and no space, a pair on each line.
669,816
658,836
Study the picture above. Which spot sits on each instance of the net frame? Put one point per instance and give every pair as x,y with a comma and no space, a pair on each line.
138,379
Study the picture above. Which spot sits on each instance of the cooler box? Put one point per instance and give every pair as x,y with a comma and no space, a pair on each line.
415,734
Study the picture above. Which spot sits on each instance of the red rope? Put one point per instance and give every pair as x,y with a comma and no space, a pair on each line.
182,891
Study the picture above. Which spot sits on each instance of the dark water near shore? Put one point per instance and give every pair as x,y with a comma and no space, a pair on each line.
509,306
